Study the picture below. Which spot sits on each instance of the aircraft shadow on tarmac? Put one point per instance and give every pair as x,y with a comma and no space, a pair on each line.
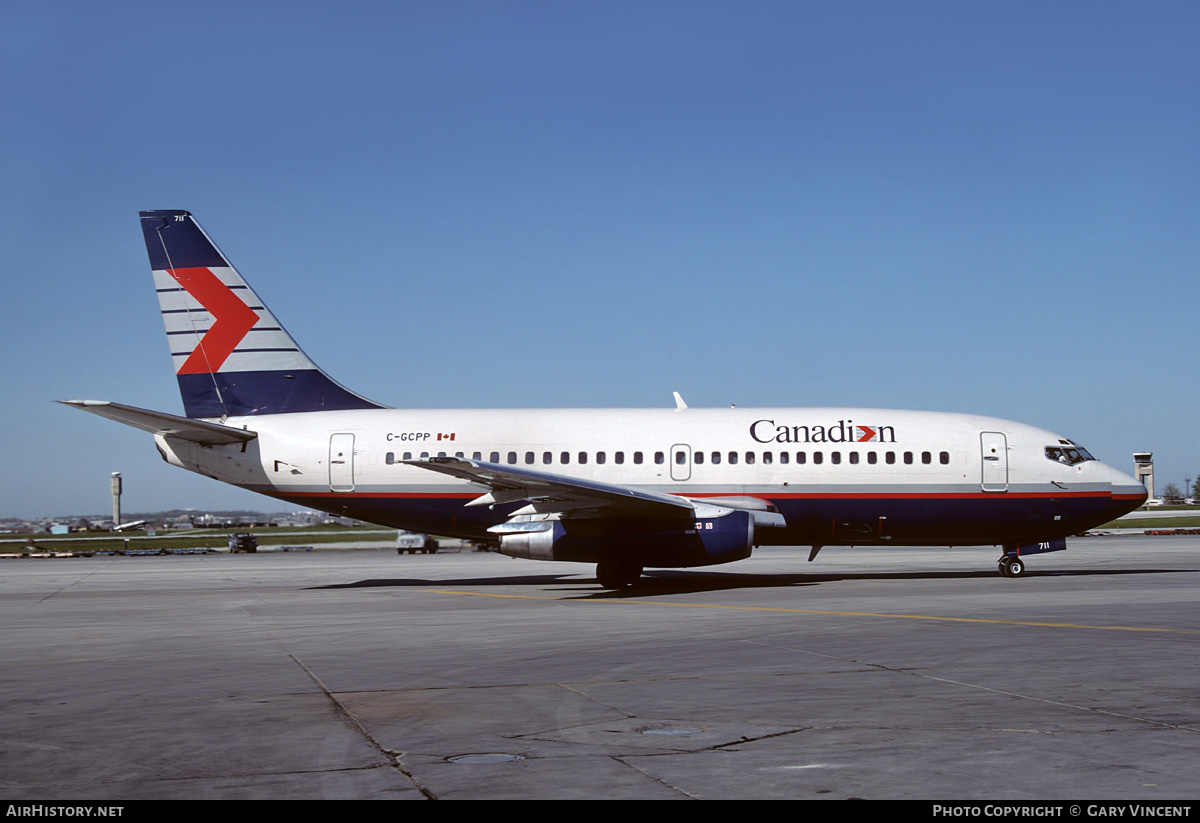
660,582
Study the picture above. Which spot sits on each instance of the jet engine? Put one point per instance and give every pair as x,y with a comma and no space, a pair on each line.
664,542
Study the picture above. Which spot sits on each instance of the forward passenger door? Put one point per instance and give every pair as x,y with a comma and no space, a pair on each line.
993,448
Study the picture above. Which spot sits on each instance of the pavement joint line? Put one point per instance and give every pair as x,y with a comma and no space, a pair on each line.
995,621
1019,696
631,764
391,759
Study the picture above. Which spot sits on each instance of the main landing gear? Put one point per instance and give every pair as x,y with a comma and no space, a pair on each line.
613,575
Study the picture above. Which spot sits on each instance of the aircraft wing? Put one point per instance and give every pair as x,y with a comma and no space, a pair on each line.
553,492
197,431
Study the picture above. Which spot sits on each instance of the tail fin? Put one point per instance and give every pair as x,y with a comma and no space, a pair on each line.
231,355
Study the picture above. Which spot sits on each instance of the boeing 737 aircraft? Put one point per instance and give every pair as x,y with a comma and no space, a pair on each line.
624,489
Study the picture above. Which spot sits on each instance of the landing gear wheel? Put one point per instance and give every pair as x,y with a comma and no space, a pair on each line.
1012,567
617,575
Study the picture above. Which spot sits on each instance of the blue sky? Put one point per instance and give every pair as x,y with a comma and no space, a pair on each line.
979,207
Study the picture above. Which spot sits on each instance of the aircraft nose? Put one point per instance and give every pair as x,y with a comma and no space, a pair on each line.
1127,493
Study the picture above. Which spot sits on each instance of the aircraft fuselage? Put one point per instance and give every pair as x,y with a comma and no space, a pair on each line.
838,476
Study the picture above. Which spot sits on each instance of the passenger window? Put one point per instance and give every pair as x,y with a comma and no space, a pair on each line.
564,458
476,455
783,457
637,458
582,458
817,457
619,458
547,458
424,455
390,458
680,458
890,458
801,457
944,457
926,458
907,458
716,458
853,457
441,454
512,458
408,455
835,457
458,454
749,458
698,457
494,457
658,458
732,458
529,458
872,458
600,458
767,458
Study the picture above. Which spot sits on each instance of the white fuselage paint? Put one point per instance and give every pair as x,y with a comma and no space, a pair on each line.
298,457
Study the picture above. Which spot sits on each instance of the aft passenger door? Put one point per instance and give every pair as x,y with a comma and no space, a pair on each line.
341,463
994,458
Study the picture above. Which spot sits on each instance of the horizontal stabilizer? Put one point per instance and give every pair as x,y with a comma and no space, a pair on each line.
197,431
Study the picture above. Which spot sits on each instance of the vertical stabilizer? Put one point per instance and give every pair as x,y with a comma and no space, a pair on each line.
231,355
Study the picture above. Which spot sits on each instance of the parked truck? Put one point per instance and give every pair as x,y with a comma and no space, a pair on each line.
415,543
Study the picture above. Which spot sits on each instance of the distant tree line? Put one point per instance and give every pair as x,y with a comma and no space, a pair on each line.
1172,494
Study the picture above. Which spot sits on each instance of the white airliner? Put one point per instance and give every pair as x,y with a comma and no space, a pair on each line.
624,489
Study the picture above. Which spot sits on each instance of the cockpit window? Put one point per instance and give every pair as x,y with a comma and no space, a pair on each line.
1070,455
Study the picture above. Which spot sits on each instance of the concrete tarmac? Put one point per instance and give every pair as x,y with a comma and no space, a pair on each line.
869,673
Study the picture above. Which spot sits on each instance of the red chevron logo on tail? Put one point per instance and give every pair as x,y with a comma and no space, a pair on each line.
232,319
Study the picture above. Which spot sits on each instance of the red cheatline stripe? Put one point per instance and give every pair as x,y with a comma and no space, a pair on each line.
762,495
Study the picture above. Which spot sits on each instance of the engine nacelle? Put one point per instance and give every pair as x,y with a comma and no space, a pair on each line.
662,542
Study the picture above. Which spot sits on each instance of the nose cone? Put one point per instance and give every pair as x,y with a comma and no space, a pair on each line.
1127,493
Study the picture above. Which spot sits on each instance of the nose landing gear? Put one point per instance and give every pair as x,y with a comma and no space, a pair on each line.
1011,566
1012,563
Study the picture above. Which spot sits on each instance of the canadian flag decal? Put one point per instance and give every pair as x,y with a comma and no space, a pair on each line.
232,319
449,436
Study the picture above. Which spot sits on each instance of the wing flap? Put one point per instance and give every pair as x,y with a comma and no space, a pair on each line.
554,492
